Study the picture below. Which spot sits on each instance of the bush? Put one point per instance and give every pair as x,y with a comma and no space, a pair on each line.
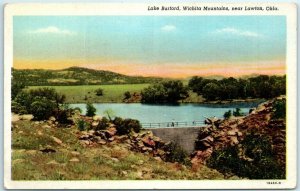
175,153
77,109
90,110
237,112
16,88
42,108
127,95
99,92
103,124
263,164
41,103
125,126
279,109
227,114
81,125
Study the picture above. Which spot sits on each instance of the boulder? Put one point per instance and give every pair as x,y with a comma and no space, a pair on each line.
95,124
58,141
97,118
74,159
27,117
75,153
148,141
102,142
115,160
53,162
52,119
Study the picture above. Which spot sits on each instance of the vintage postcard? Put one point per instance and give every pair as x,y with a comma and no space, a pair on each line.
150,96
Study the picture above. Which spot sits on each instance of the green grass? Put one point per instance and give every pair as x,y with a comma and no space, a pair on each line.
95,163
86,93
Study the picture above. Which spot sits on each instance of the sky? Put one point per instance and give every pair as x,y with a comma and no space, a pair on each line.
166,46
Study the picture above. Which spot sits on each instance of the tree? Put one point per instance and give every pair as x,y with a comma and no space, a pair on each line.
211,91
16,87
166,92
227,114
90,110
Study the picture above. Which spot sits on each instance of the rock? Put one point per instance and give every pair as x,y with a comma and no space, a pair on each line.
86,142
95,124
53,162
111,139
124,173
139,174
58,141
91,132
39,133
46,126
75,153
148,142
158,159
20,132
84,137
231,132
26,117
239,134
31,152
112,131
233,140
102,142
115,160
52,119
74,159
15,118
144,149
37,122
97,118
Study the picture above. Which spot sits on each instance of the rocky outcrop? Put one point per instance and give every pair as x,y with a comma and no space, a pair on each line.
220,134
144,142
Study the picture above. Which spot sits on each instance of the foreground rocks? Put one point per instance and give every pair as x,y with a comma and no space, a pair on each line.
144,142
221,134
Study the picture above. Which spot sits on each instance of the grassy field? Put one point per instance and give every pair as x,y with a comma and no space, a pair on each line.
86,93
103,162
111,93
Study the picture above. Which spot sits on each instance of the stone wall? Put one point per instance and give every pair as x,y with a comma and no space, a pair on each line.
184,136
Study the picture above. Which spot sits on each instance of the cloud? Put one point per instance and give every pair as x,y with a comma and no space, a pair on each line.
168,28
238,32
52,30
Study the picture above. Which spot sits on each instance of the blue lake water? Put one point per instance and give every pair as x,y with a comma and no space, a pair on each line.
167,113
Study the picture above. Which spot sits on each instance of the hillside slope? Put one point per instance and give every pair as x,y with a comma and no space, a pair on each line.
75,76
43,151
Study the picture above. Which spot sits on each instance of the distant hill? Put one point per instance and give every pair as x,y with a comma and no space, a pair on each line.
76,76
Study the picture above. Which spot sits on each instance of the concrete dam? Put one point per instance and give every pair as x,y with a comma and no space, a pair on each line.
184,136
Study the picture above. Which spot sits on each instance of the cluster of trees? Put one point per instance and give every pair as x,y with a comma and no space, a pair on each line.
164,92
41,103
262,86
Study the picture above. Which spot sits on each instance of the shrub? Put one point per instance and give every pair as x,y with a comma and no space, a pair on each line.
99,92
125,126
42,108
237,112
41,103
81,125
78,109
175,153
90,110
279,109
227,114
262,163
103,124
16,88
127,95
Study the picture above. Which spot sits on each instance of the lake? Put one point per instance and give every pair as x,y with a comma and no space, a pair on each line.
183,113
